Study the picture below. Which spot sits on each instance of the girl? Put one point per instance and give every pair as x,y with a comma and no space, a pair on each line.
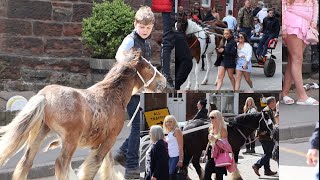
244,66
297,17
229,51
250,107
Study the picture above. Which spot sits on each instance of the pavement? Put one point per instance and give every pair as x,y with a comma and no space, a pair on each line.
298,121
260,81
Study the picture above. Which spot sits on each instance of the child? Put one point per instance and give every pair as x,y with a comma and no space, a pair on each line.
128,154
143,24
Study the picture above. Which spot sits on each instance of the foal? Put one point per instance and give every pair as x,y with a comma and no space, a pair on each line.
90,117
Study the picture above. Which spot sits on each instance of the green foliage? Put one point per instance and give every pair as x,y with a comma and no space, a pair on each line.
109,24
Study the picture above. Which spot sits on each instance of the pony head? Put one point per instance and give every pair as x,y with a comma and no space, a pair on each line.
149,78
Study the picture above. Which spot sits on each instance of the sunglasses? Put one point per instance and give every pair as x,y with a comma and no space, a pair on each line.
211,117
241,37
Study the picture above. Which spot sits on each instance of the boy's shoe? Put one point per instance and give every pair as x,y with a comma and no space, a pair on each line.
132,174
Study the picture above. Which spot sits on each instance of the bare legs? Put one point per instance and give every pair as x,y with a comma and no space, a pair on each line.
246,77
294,68
221,73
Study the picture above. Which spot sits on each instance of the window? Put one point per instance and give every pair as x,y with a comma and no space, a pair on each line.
206,3
226,103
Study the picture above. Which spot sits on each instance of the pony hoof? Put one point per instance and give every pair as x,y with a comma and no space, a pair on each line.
196,88
187,88
204,82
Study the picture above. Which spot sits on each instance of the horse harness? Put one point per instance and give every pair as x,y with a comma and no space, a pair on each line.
246,138
146,84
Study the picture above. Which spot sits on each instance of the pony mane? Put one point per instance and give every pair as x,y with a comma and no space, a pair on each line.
122,71
242,118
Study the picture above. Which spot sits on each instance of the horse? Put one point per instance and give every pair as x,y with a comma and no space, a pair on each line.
91,117
239,128
207,44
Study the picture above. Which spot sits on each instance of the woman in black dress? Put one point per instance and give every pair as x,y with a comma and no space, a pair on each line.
228,49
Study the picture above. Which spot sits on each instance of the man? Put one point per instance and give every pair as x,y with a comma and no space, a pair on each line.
262,13
312,156
231,21
245,19
266,142
270,30
198,8
260,4
171,39
180,11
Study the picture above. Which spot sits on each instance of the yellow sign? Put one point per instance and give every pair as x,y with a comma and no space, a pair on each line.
263,102
156,117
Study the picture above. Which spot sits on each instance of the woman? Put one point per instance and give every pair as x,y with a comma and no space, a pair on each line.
257,29
250,107
202,110
217,137
157,156
228,63
175,144
212,15
244,66
294,29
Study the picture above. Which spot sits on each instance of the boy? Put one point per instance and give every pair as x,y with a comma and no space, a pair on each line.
128,154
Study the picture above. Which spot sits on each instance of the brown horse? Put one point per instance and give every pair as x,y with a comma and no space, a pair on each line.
90,117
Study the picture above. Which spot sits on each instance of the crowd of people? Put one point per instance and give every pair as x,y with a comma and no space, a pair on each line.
257,25
165,155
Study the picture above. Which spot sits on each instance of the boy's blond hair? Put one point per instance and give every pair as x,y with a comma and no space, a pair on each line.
144,16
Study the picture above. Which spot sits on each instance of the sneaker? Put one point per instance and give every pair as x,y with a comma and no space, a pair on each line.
120,158
252,151
132,174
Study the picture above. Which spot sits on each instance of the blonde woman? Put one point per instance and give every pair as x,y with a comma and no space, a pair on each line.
157,156
250,107
297,17
175,144
218,140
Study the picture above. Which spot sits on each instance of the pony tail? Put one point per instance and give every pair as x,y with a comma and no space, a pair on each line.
25,126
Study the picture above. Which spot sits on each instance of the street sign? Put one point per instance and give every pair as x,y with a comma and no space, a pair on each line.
156,117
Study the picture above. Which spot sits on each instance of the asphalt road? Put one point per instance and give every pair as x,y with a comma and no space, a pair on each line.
260,81
293,164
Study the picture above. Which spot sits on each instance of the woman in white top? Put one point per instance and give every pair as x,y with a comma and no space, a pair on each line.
175,143
250,107
244,66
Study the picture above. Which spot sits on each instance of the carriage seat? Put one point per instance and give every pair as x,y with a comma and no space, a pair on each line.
272,43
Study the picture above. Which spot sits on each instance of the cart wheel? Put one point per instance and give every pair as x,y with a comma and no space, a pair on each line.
269,67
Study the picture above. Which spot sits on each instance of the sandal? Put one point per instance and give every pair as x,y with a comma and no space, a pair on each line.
314,86
309,101
287,100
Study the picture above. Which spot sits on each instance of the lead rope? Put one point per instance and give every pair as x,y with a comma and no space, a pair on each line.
134,115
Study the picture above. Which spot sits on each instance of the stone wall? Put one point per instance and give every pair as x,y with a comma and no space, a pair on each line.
40,44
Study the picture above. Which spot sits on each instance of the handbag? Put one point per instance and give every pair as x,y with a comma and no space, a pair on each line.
181,175
312,36
223,159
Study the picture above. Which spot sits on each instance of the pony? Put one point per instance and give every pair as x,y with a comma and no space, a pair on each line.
91,117
207,46
239,128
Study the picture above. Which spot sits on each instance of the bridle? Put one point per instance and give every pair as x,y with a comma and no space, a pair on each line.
146,84
265,121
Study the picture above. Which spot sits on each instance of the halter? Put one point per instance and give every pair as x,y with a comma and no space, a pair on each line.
146,84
